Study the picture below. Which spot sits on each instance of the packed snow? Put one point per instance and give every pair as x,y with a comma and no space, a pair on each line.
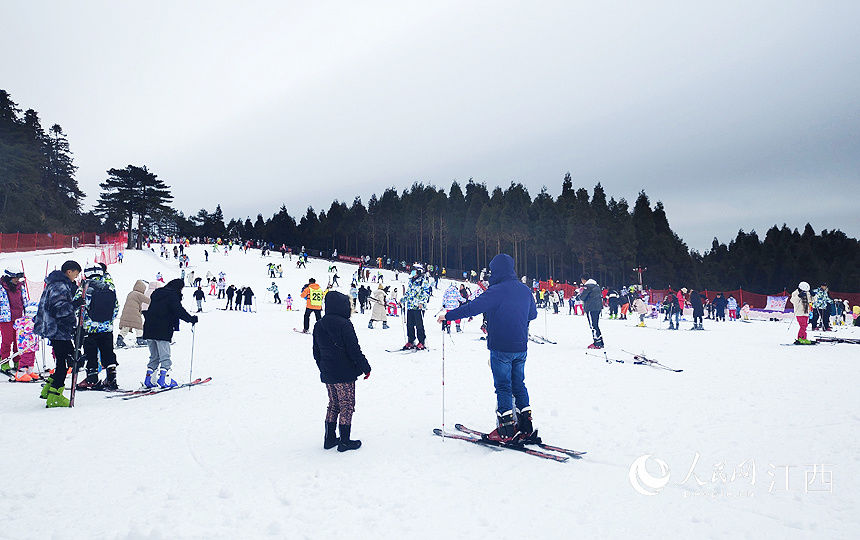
752,439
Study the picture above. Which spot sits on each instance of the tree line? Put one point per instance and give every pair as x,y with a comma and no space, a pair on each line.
462,228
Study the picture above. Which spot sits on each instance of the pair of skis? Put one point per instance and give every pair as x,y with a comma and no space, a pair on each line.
541,340
481,439
831,339
638,359
134,394
406,351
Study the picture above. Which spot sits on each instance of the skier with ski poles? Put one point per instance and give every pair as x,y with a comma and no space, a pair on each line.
101,310
165,310
508,306
56,321
417,296
592,300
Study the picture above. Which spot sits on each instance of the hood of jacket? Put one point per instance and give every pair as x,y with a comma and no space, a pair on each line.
337,304
502,269
175,284
57,277
139,286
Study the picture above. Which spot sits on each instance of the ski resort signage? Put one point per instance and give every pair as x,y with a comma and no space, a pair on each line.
776,303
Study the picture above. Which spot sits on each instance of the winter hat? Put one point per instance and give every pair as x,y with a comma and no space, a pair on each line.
12,273
803,286
684,290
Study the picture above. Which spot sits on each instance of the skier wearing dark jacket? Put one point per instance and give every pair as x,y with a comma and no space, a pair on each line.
696,300
508,306
592,300
165,311
55,320
340,361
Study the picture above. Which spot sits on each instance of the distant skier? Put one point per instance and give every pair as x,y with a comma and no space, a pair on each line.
231,290
592,300
13,300
313,296
200,297
720,307
696,300
340,361
732,304
248,296
801,301
416,302
378,311
275,293
508,306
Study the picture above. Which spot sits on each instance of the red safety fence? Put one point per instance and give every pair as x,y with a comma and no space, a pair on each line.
755,300
107,249
11,242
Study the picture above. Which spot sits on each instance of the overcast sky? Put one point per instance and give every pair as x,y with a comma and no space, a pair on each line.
734,114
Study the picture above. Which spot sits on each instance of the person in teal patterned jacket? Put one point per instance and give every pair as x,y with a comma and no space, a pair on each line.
821,308
102,309
417,296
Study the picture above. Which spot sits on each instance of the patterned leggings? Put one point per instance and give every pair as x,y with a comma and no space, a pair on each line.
341,401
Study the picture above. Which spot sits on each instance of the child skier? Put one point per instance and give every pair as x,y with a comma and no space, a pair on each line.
130,319
165,309
101,310
641,308
55,320
13,299
28,344
801,300
732,304
289,302
340,361
452,299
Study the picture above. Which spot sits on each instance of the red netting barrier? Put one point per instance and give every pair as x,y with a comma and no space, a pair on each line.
11,242
755,300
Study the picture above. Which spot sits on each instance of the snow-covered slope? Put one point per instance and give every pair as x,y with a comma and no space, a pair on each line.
242,456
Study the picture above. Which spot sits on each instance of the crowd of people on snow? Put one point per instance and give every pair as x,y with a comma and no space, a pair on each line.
80,309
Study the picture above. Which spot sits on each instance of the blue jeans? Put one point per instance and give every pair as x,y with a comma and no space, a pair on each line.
509,379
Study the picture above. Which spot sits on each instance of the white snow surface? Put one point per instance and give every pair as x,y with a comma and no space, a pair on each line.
242,456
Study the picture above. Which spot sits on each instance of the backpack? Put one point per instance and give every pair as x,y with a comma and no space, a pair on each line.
101,304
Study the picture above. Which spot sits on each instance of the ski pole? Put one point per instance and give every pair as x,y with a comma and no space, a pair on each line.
443,383
191,369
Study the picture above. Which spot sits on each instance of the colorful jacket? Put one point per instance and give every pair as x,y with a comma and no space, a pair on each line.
5,311
27,340
416,294
56,316
820,298
452,298
97,282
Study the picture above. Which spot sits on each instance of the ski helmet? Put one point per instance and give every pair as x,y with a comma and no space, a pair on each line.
803,286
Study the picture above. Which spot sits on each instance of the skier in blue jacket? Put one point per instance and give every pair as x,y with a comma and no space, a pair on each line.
508,306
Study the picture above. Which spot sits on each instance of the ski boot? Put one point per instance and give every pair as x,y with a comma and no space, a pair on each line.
385,325
140,342
420,347
90,382
408,347
22,376
31,371
344,443
370,324
641,325
506,429
109,384
331,440
165,380
48,382
120,343
671,326
8,366
525,428
459,330
595,346
56,398
147,381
